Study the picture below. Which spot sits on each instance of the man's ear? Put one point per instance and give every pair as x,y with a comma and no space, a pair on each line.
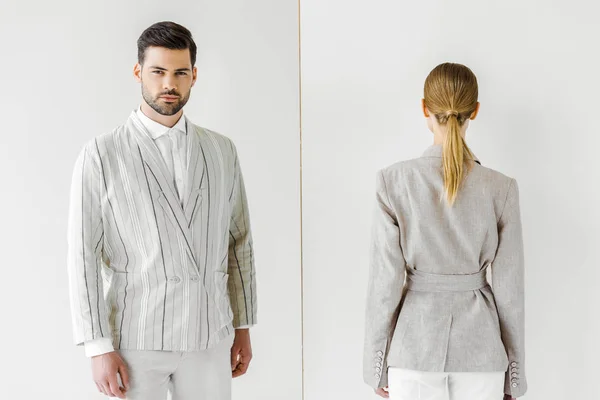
194,75
137,72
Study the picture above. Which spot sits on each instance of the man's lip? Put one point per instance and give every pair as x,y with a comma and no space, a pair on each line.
169,97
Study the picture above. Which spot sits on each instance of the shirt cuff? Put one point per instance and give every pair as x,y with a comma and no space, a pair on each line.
98,346
244,326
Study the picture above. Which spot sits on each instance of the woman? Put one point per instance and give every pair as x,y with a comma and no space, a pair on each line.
441,220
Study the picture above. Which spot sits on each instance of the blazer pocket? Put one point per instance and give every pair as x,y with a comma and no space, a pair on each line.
113,273
222,297
123,276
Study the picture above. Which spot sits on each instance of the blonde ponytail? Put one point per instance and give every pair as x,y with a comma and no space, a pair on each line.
452,159
450,93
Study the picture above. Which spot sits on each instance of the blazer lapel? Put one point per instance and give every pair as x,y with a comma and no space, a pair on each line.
196,173
152,156
167,197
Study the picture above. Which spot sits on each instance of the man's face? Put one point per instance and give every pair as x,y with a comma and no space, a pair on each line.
168,73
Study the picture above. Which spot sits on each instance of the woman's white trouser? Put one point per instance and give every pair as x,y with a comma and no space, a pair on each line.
407,384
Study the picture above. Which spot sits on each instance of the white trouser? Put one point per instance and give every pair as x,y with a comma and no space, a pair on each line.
407,384
193,375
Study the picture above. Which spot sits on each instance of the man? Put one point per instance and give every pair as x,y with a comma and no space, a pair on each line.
161,265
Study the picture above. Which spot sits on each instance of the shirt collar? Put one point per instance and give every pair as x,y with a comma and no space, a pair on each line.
435,150
157,129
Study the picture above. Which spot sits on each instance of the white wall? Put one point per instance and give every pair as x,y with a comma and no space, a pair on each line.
66,76
363,68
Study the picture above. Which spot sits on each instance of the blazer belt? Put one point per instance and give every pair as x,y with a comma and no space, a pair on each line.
427,282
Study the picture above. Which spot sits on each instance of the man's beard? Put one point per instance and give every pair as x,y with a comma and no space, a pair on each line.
160,106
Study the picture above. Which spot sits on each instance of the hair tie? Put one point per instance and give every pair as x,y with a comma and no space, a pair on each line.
452,112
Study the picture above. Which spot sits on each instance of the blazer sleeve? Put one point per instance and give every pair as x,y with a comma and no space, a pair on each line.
385,284
242,282
84,249
508,287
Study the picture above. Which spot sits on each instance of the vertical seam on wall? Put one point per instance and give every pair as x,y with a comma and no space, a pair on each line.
301,193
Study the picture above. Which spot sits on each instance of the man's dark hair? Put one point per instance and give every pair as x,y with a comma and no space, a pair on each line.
166,34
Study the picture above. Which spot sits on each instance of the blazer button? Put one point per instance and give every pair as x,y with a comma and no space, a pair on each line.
175,279
195,278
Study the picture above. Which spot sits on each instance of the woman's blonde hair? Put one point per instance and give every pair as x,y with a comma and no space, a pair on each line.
451,95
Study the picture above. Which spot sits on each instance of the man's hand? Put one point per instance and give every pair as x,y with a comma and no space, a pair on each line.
383,392
104,371
508,397
241,352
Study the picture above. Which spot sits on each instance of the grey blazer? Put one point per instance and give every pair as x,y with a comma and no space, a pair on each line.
145,270
429,305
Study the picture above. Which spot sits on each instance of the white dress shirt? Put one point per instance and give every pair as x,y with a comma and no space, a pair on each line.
172,144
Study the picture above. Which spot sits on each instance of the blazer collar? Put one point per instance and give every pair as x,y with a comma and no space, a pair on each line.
435,150
153,157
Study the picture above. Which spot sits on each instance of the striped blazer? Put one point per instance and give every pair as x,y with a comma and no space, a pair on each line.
429,304
147,270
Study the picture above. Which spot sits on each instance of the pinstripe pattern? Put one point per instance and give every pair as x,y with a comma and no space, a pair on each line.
147,270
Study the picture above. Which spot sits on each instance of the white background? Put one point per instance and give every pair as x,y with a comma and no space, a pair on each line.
364,64
66,72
